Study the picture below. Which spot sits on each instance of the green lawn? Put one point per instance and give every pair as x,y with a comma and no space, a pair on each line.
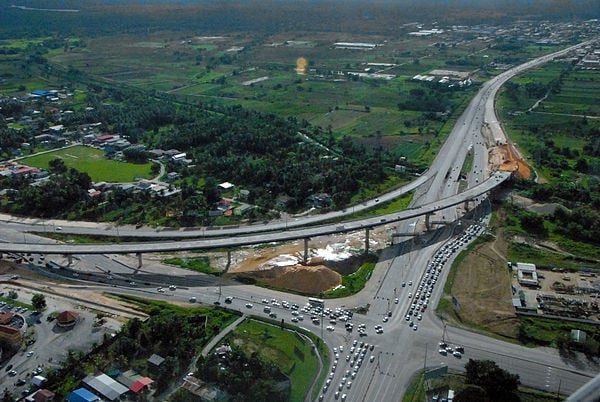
293,354
92,162
199,264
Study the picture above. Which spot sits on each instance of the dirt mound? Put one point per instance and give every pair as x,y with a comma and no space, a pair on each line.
512,162
305,279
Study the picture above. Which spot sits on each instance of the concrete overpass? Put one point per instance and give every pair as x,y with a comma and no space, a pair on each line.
258,238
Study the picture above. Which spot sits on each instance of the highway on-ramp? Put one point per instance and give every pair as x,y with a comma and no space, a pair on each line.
400,350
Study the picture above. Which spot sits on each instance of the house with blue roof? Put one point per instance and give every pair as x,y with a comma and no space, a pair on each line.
43,92
82,395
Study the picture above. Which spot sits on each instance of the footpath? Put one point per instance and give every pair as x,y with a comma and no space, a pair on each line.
221,335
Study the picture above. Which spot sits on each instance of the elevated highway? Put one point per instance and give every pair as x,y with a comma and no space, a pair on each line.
258,238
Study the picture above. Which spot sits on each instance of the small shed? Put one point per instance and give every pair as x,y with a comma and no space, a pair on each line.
578,335
156,360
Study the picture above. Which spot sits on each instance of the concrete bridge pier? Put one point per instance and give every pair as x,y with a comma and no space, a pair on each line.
427,222
367,233
228,260
139,256
305,257
69,259
466,206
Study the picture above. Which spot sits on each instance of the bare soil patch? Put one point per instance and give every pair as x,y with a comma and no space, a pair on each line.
512,161
281,265
482,287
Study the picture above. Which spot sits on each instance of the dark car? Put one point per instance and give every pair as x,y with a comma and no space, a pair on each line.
9,367
20,382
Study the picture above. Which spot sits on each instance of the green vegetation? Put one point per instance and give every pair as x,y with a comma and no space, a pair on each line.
137,340
557,333
523,252
470,387
38,301
94,163
416,389
199,264
292,353
396,205
559,138
354,282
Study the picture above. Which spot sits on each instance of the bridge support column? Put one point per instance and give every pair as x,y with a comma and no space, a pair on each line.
228,260
139,256
367,233
427,224
467,205
305,258
69,259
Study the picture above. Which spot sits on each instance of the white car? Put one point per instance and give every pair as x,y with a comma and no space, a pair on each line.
249,305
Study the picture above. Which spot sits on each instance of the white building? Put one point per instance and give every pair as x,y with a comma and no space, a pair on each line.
526,274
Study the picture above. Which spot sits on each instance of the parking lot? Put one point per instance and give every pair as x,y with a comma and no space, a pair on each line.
46,345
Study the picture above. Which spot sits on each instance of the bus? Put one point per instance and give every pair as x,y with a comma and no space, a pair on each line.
313,301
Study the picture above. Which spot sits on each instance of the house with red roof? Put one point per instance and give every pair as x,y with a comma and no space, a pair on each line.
67,319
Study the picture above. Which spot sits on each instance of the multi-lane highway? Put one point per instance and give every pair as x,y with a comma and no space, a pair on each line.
408,268
258,238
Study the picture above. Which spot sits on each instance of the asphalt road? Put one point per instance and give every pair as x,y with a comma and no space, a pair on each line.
52,247
400,350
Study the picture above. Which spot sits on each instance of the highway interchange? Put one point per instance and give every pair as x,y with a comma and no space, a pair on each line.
400,351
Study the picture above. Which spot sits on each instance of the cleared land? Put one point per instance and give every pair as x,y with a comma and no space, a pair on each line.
481,284
92,162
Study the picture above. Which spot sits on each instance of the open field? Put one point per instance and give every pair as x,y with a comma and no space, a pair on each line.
92,162
215,67
480,281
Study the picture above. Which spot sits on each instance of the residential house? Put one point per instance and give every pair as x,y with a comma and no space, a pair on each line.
318,200
102,384
41,395
283,201
82,395
155,360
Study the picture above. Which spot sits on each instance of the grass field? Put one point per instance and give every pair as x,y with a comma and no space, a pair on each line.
199,264
292,353
92,162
